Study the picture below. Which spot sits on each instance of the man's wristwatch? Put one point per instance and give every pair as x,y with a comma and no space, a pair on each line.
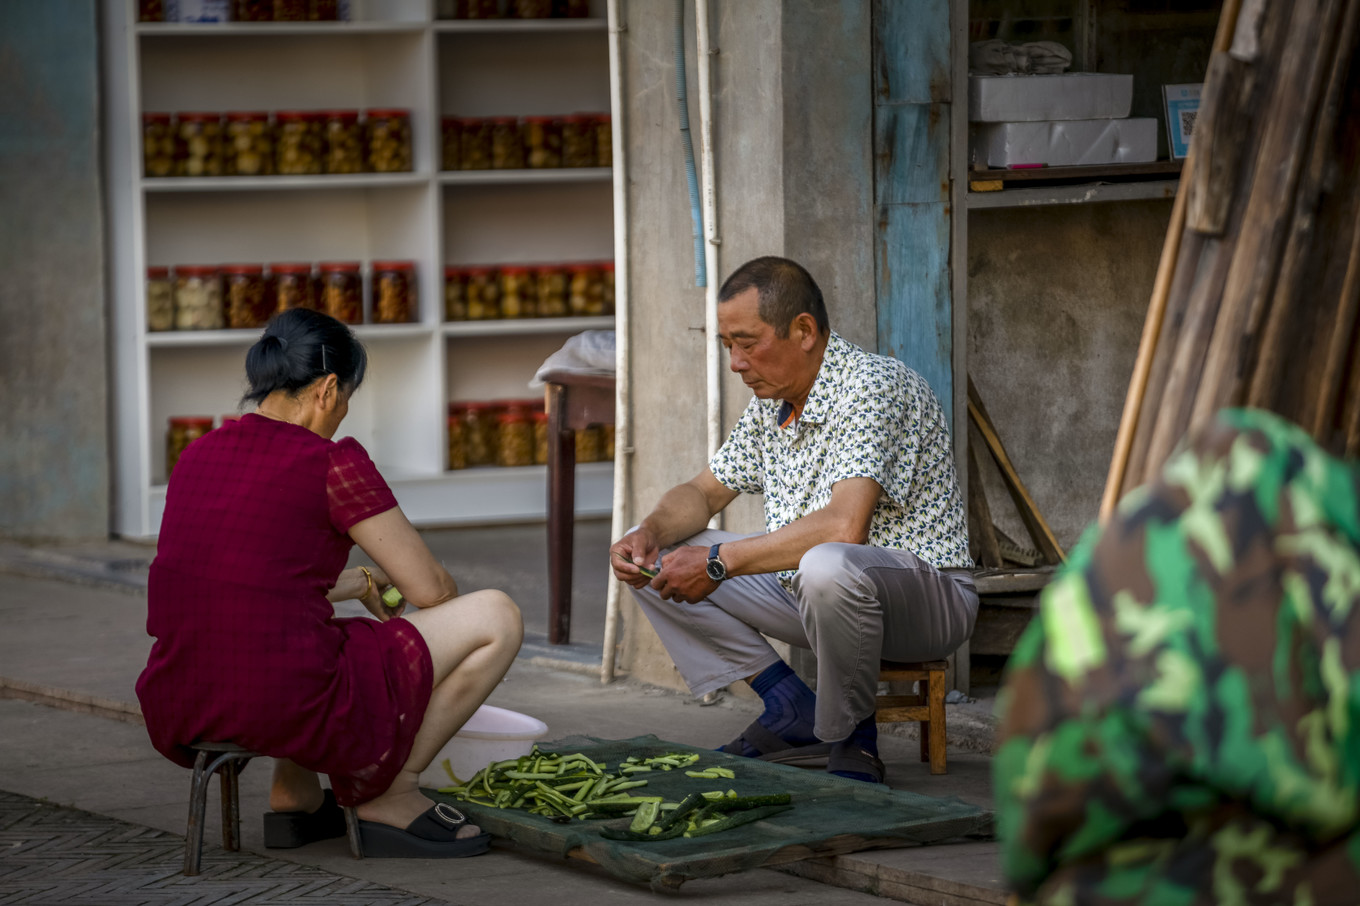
716,570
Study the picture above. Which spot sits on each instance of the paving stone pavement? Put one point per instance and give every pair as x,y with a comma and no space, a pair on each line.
55,855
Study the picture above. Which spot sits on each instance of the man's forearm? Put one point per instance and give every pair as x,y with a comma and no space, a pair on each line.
681,512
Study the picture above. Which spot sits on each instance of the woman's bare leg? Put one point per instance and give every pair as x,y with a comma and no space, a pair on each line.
473,640
294,789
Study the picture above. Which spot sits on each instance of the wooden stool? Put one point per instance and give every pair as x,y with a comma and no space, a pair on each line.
925,707
227,759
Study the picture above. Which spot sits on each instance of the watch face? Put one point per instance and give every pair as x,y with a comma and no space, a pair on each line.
716,571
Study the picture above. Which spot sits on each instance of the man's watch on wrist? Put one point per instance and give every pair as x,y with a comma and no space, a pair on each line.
716,570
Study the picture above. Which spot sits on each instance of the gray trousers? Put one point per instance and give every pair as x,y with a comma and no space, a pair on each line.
853,605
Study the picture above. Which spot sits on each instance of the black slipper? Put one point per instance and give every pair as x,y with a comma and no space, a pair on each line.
289,830
759,737
855,759
434,835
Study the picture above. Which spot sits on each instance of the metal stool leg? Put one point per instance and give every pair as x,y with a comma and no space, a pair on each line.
356,846
198,804
229,764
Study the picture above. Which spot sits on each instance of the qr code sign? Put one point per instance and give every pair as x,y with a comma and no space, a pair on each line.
1188,122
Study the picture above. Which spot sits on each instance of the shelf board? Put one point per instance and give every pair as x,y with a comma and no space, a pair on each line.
272,29
1105,172
1084,193
506,327
525,177
178,339
1028,187
281,183
481,27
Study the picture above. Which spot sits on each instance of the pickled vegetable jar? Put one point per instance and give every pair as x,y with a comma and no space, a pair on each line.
583,293
607,286
457,446
200,143
299,143
182,431
474,144
604,141
519,293
252,11
198,298
483,294
578,140
455,294
588,444
342,290
248,149
159,157
389,140
540,420
394,292
323,10
479,439
290,10
449,151
248,303
507,145
293,286
531,9
542,142
150,10
552,291
160,299
514,438
344,149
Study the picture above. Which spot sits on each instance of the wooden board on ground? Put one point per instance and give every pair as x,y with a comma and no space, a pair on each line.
830,816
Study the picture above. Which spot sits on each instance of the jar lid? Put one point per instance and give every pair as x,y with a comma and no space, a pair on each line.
247,114
248,269
539,415
480,271
542,119
337,266
512,415
199,117
296,114
290,268
530,404
191,421
472,120
155,117
578,118
394,265
454,271
387,112
518,270
505,120
606,265
340,114
480,405
579,267
157,273
196,270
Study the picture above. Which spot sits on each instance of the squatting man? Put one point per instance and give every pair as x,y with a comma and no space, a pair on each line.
865,550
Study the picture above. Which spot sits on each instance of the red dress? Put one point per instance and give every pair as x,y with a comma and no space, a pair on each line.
248,649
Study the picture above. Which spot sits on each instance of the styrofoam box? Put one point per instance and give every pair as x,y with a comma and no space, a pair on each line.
1064,96
1065,142
490,734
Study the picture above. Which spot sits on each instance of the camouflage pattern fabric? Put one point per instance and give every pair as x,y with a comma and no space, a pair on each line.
1181,720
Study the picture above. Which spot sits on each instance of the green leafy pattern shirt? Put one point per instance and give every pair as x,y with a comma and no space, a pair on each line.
867,416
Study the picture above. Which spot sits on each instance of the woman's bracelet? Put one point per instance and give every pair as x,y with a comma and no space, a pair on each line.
369,576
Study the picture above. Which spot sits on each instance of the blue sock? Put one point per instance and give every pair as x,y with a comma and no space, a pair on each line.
790,706
864,736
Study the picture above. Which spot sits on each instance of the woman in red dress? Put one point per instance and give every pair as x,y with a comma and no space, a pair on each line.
260,517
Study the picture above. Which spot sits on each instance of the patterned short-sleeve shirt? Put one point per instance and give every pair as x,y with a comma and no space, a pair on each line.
867,416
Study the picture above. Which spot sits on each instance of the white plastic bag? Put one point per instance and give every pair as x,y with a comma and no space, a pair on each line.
591,352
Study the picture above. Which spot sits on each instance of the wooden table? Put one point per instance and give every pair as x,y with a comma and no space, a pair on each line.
573,402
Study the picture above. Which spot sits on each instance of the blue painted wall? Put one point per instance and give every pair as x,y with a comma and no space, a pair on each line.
54,475
912,109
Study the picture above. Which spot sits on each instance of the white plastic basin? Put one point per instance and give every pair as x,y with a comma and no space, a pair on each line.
490,734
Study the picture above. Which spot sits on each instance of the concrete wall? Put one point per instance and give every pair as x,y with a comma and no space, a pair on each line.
54,477
792,139
1056,302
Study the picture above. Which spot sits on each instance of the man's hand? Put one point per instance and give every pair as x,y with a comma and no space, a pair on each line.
636,549
684,576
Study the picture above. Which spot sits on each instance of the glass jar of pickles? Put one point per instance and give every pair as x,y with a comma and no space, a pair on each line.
388,132
542,142
248,303
341,289
588,444
158,145
479,438
540,420
323,10
514,438
507,145
552,291
344,137
457,444
455,294
583,293
578,140
290,10
604,141
519,292
607,286
198,298
182,431
607,443
531,9
394,292
298,143
483,294
150,10
252,11
160,299
474,144
293,286
248,146
200,144
449,151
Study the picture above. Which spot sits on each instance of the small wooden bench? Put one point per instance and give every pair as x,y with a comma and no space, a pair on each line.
925,706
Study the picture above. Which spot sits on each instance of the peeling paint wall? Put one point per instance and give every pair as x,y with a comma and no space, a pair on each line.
54,476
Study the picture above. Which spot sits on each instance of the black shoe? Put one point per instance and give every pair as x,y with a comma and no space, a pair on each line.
289,830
